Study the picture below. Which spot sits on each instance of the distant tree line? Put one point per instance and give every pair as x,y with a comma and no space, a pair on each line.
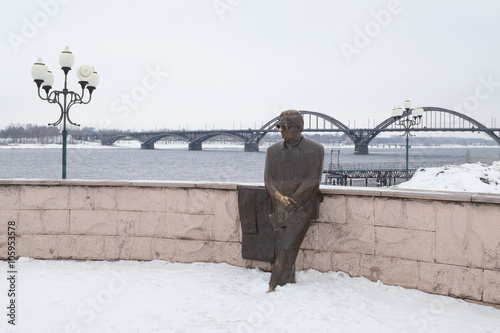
29,133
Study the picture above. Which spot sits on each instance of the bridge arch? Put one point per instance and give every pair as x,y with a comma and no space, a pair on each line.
150,142
212,135
196,144
109,141
271,125
471,124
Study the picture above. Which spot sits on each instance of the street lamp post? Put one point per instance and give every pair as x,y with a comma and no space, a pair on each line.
407,122
65,98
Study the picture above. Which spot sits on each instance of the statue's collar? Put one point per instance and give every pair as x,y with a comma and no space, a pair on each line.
293,144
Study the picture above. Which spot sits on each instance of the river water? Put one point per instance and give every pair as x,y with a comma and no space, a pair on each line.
215,164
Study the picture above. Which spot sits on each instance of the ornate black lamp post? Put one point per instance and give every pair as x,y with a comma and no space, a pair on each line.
407,122
64,98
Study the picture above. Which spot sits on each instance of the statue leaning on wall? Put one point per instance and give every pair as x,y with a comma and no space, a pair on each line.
292,176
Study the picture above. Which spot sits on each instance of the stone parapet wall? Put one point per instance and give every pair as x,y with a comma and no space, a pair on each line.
439,242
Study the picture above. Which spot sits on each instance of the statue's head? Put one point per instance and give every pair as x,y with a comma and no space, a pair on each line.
290,125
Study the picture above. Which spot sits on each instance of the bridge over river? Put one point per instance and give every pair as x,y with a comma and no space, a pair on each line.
435,119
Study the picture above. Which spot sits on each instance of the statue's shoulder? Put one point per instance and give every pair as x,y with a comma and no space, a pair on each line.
311,144
275,146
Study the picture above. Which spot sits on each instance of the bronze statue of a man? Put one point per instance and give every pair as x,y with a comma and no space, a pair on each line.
292,176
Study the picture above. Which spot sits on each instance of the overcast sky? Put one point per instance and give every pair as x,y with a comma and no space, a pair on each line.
224,63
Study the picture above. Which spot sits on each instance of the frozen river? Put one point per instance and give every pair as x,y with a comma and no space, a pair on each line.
218,163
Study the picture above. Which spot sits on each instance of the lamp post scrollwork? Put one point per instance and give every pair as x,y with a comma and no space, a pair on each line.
65,98
408,119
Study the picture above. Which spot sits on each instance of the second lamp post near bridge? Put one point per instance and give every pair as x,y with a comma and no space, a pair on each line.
404,119
64,98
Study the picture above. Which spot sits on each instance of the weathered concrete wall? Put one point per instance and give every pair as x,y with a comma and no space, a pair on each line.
438,242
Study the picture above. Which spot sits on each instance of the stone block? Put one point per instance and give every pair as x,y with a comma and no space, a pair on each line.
189,251
491,287
3,247
311,240
44,197
346,262
451,231
135,248
187,226
484,235
7,215
44,246
66,245
389,212
467,235
226,216
93,222
420,215
405,244
105,197
148,199
360,210
164,249
112,247
346,238
201,201
230,253
90,247
176,201
333,209
24,246
81,197
10,197
393,271
318,260
450,280
43,222
128,223
152,224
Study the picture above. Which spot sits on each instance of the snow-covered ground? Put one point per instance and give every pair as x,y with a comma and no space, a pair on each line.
472,177
157,296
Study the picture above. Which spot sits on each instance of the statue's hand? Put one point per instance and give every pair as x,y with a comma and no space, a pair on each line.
287,202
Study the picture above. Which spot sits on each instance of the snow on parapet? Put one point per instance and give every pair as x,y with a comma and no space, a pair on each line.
469,177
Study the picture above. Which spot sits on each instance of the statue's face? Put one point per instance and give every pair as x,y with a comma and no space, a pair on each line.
289,132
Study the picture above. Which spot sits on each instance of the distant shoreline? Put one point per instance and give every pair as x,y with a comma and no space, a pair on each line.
136,144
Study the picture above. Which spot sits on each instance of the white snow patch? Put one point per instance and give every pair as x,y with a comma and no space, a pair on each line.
471,177
157,296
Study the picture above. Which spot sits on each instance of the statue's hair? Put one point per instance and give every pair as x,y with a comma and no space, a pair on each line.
295,117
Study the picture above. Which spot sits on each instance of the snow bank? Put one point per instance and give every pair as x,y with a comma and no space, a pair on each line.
157,296
475,177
